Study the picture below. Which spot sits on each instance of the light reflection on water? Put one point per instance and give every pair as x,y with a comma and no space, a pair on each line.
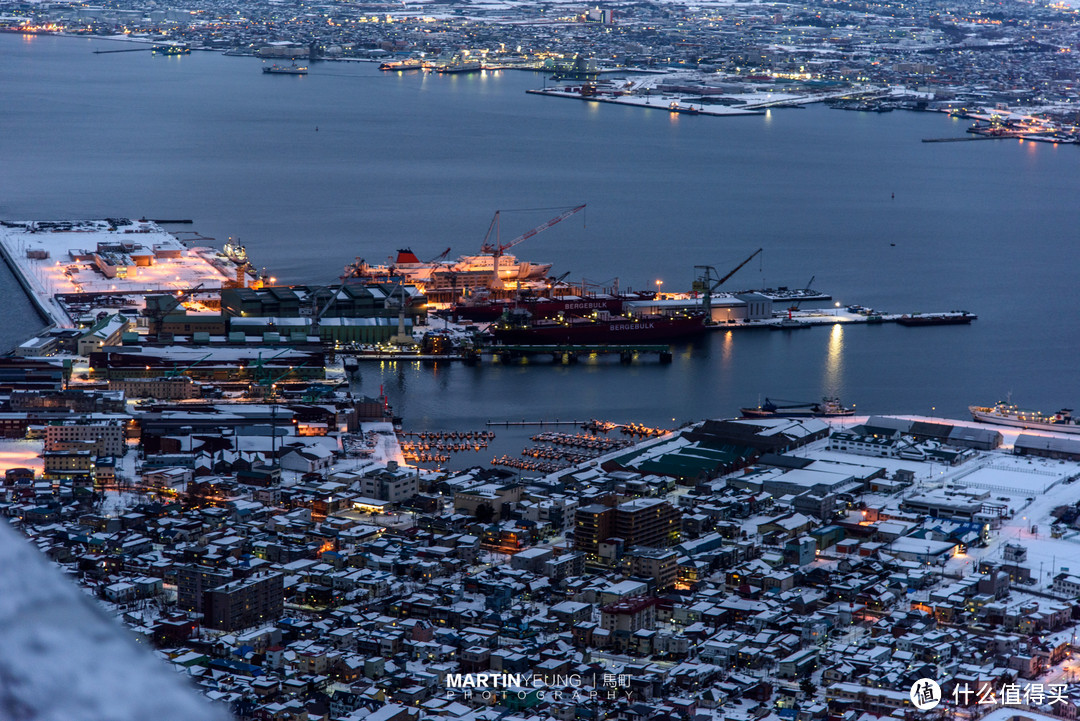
834,361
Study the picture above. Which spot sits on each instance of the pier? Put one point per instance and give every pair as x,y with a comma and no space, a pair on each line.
838,316
523,422
957,140
125,50
572,353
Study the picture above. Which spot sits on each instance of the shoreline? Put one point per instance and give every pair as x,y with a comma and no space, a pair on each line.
35,301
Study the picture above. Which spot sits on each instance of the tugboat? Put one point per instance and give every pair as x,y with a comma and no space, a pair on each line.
829,407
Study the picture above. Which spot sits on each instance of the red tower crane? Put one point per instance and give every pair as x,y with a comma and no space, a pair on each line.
496,248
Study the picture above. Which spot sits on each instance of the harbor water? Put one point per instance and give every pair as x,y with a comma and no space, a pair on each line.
312,171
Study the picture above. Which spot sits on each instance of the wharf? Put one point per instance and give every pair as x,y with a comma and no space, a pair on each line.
958,140
639,102
572,353
67,259
511,353
403,356
827,316
46,305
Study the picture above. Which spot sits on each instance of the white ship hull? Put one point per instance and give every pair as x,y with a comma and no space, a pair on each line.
422,273
1030,420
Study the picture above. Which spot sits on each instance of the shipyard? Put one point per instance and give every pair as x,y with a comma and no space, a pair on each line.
351,373
127,299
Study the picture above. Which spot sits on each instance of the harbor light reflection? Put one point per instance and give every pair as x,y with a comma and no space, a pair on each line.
834,360
727,348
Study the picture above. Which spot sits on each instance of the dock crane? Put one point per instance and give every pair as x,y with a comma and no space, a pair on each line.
553,283
269,385
175,370
330,292
158,306
261,371
710,281
795,306
401,338
495,248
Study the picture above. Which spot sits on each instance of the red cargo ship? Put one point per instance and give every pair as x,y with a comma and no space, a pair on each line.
588,331
542,307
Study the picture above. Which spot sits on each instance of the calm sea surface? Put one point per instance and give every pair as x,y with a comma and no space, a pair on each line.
310,172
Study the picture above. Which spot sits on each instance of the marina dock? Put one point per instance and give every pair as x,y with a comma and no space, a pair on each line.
523,422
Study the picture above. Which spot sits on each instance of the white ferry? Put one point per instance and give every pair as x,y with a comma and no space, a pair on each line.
1007,414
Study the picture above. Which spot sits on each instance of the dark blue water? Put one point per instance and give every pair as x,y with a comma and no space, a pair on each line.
423,160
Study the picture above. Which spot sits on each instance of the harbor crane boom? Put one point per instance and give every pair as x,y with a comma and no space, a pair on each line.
707,283
496,248
157,306
795,306
439,258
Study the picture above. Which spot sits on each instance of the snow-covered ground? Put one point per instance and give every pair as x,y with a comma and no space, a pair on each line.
58,272
1031,488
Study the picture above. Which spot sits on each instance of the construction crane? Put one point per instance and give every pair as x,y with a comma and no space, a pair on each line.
157,306
496,248
710,281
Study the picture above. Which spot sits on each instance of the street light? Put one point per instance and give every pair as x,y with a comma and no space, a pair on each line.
659,285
